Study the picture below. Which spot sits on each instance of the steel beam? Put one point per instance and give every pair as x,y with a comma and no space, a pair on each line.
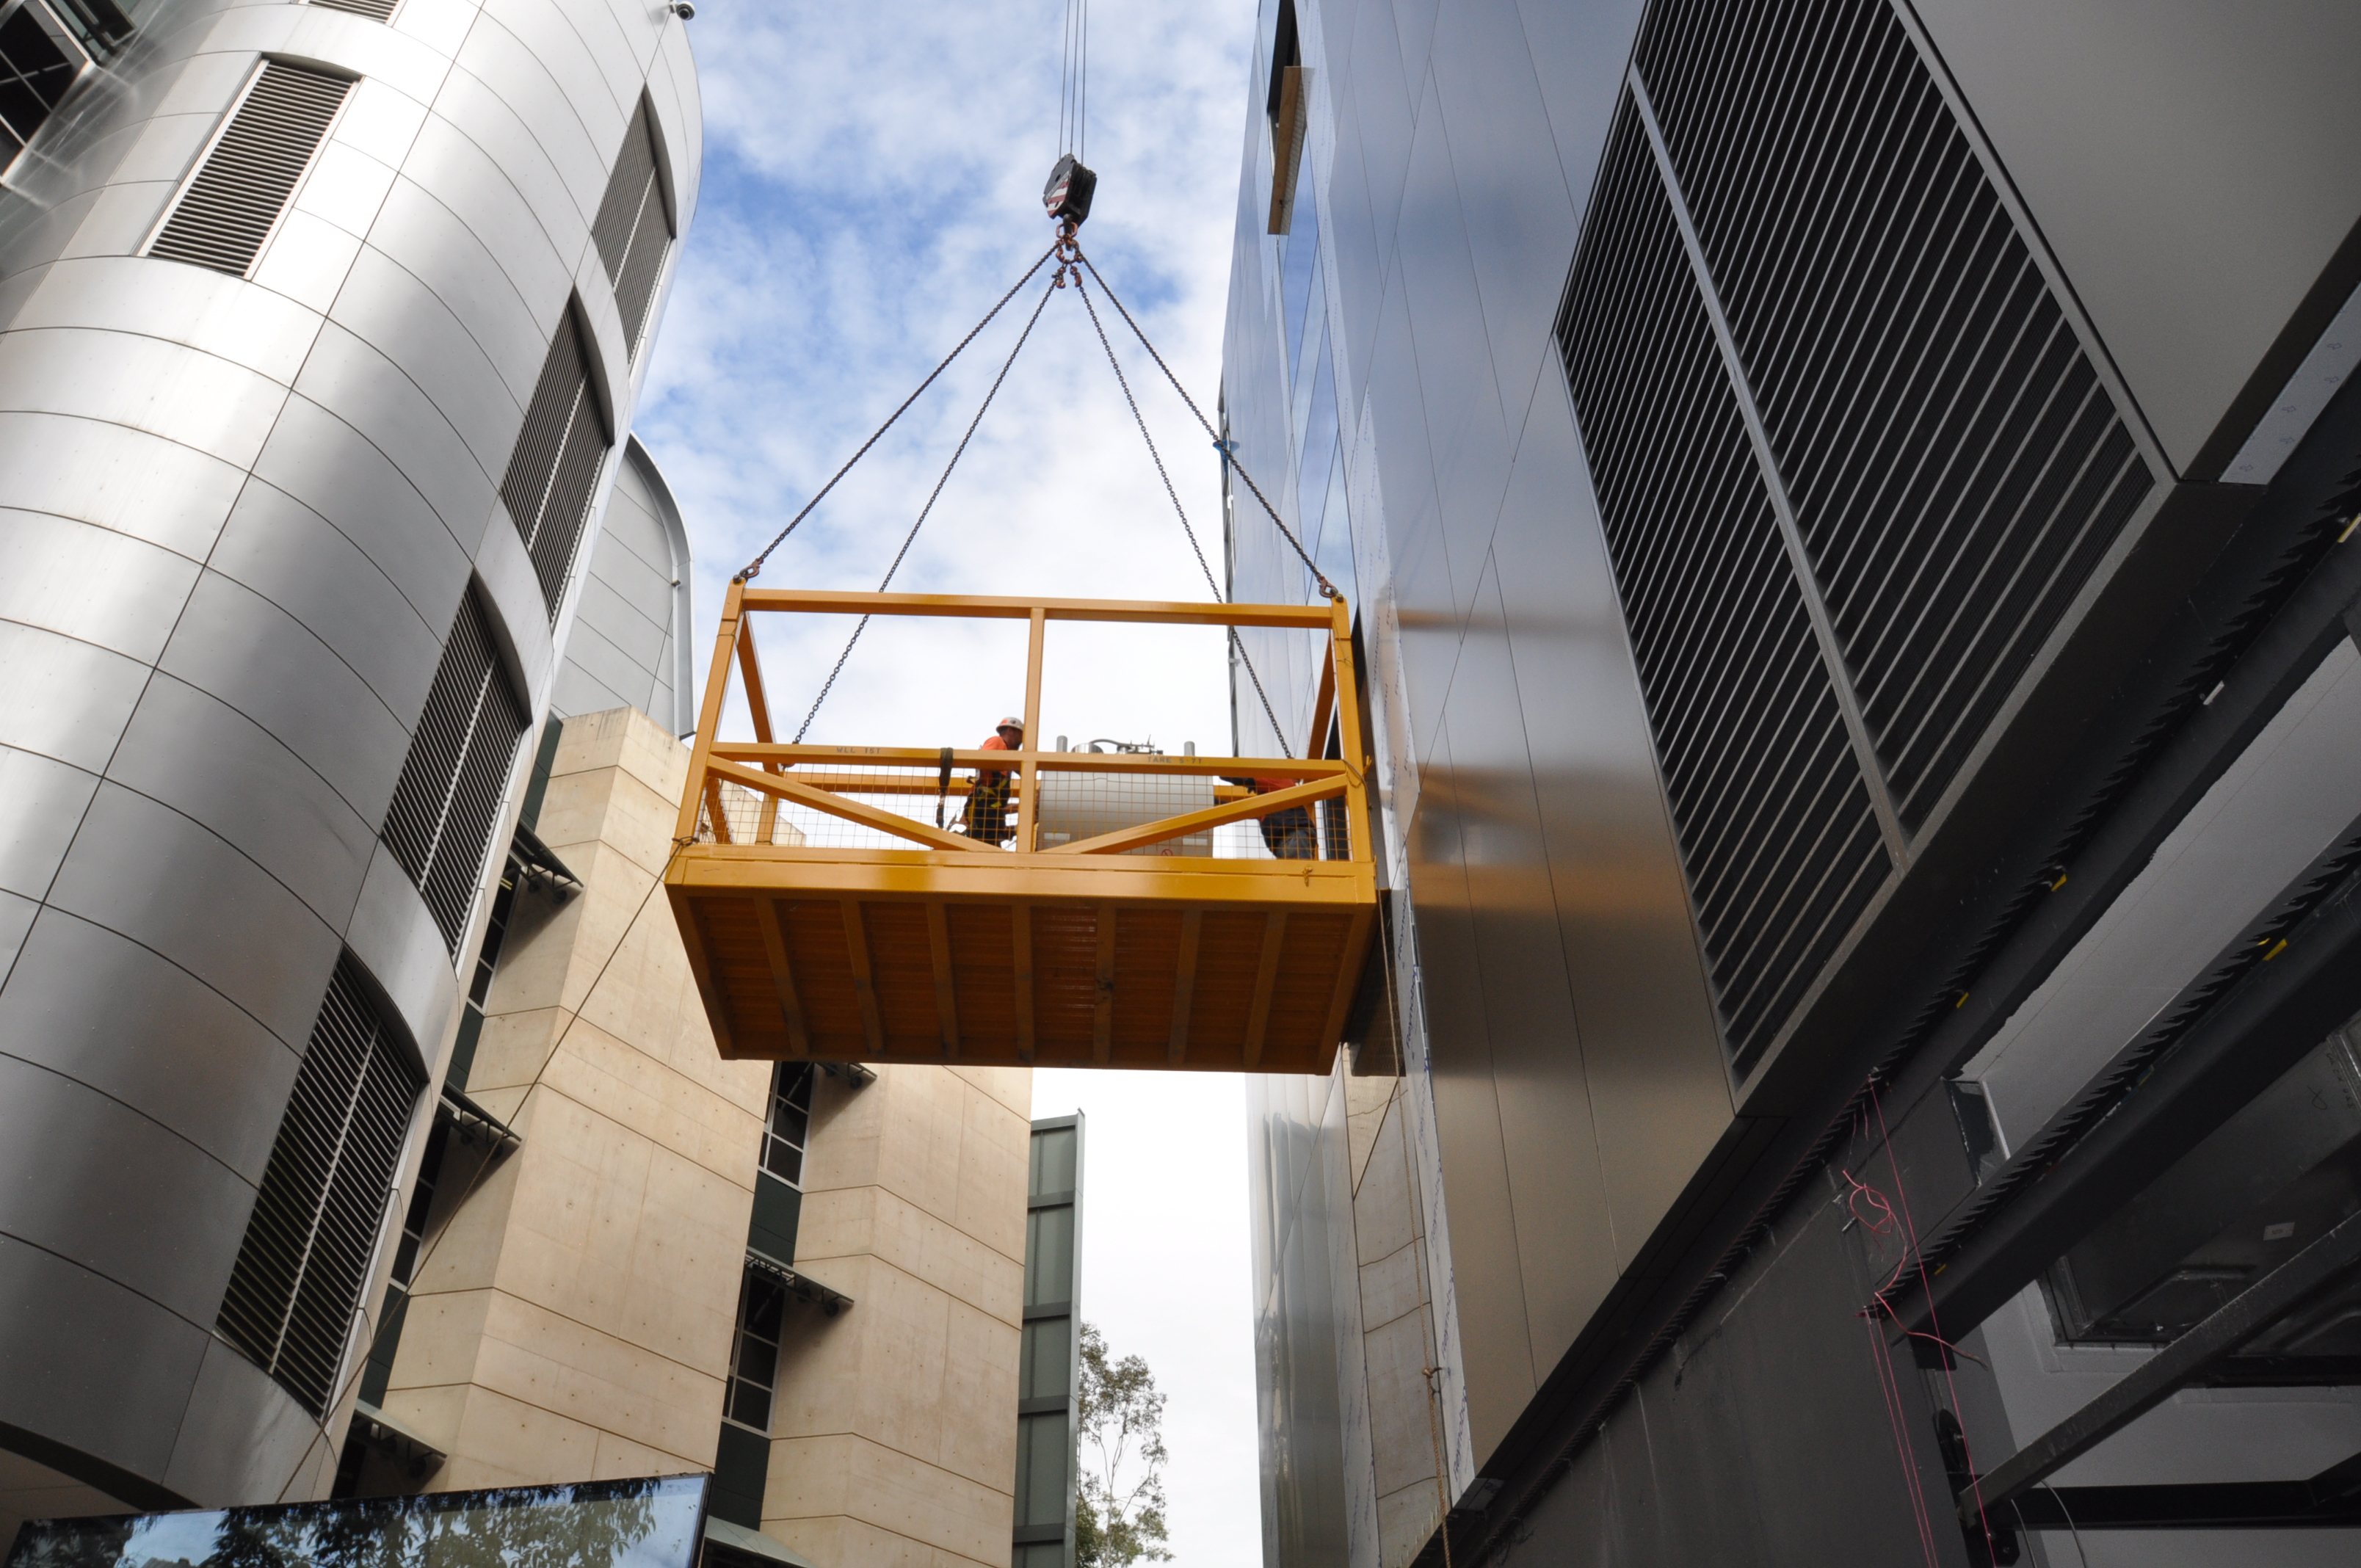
2154,1381
2330,1500
1184,984
938,946
2282,1009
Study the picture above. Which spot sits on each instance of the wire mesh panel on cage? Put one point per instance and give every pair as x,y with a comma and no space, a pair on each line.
1025,905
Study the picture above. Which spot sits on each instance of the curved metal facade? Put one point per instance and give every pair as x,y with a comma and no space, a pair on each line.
237,518
630,645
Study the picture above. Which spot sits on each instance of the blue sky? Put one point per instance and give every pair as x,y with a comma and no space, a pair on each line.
871,184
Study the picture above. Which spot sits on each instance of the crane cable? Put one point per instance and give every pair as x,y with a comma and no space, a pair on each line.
1073,85
1068,252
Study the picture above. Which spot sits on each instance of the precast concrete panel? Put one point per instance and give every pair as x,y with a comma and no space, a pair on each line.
237,516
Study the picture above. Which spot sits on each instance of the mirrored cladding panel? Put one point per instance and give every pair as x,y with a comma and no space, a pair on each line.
278,285
656,1521
630,642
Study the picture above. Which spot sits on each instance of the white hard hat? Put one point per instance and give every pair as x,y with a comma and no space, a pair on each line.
1010,724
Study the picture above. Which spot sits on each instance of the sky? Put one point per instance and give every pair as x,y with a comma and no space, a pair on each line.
871,185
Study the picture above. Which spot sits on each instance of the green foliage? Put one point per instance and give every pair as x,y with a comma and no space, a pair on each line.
1119,1511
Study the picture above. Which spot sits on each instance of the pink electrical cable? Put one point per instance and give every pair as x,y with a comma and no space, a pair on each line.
1927,1283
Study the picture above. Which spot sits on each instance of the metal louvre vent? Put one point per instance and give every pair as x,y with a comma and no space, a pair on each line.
300,1268
239,190
635,229
376,10
449,796
1777,831
1956,468
556,464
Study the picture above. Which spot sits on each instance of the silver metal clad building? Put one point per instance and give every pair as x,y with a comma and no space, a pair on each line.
624,649
1854,512
320,330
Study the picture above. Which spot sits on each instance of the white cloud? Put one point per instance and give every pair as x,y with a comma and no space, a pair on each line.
872,185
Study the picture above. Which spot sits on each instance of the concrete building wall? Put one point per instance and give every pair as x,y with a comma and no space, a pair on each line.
893,1437
574,1317
237,517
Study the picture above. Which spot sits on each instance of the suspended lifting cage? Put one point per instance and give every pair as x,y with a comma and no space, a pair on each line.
828,917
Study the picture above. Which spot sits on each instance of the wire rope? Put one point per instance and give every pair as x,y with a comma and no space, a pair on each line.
1236,643
927,510
1068,251
1326,587
1073,83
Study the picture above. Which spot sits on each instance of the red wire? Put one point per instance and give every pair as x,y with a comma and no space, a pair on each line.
1881,1221
1927,1283
1889,1387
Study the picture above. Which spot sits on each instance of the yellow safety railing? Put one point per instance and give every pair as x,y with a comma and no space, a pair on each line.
779,800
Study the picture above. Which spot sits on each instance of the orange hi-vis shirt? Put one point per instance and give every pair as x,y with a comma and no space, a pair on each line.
991,742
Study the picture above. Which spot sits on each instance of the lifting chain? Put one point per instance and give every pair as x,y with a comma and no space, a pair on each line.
755,565
1068,199
1327,588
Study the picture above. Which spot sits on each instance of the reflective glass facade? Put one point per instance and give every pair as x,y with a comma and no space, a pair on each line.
653,1523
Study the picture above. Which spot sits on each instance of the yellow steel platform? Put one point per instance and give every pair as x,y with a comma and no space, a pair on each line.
1105,950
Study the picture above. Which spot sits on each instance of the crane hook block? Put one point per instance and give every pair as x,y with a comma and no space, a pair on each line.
1068,194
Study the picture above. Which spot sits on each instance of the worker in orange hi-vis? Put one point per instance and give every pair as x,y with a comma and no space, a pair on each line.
1288,833
986,817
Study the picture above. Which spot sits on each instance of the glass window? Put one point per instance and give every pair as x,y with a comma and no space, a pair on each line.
488,957
754,1361
1048,1256
421,1204
37,63
1043,1475
1053,1161
99,25
488,962
1045,1359
790,1122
